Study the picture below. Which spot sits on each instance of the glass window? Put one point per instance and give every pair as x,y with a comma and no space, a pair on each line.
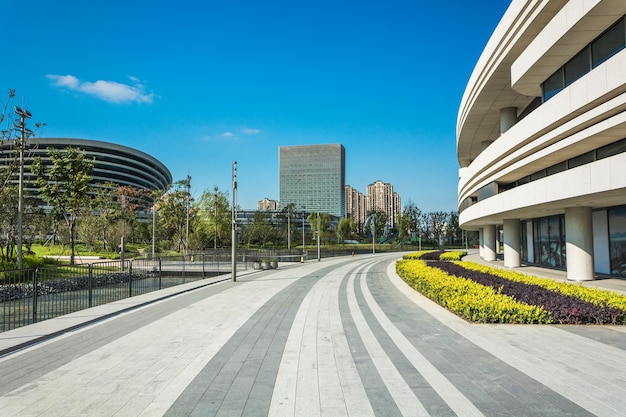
549,243
555,169
577,66
553,85
612,149
608,44
582,159
538,175
617,240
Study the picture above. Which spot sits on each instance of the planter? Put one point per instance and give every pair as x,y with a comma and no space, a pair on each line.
265,265
256,265
274,264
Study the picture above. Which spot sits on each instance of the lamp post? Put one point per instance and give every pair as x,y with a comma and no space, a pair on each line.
303,214
234,226
153,227
187,223
288,227
123,232
319,225
215,219
24,133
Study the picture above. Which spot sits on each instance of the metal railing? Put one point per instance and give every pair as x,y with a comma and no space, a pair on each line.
32,295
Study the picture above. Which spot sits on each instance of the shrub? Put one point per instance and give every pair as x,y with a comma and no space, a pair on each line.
565,308
468,299
593,295
436,255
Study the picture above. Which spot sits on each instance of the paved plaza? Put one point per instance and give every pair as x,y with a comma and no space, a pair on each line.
340,337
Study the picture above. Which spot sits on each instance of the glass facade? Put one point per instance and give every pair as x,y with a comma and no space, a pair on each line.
617,240
605,46
549,241
313,176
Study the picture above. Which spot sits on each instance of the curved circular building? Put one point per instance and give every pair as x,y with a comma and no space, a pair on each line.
114,163
541,138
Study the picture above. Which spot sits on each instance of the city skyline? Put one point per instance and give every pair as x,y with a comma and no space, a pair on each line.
200,85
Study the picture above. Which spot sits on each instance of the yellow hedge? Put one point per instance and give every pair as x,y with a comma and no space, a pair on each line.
593,295
466,298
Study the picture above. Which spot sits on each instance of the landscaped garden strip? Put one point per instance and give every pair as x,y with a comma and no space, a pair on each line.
565,309
592,295
468,299
436,255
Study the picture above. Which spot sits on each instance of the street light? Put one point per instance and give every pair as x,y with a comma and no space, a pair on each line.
303,214
234,226
153,227
24,133
288,226
215,219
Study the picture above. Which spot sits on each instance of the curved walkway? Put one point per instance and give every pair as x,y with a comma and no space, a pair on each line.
342,337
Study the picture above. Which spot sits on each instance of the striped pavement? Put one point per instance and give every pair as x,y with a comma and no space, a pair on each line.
341,337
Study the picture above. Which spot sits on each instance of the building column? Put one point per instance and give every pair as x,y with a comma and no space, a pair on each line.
489,243
579,243
508,118
512,243
481,243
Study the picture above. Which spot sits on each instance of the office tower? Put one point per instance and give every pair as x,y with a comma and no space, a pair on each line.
313,176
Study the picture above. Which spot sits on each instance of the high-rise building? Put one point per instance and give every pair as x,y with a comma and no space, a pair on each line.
356,208
381,197
541,139
313,176
267,205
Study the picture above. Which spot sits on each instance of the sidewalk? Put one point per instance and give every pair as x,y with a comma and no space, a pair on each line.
340,337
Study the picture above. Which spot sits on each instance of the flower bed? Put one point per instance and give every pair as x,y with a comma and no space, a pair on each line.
460,287
466,298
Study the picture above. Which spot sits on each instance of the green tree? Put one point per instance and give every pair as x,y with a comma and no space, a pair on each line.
377,219
324,222
262,228
436,224
288,223
174,212
345,229
95,225
214,218
65,185
409,222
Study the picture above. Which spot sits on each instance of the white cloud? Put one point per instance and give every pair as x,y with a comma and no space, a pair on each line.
249,131
227,135
110,91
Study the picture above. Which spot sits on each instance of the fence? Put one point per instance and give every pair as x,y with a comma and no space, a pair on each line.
32,295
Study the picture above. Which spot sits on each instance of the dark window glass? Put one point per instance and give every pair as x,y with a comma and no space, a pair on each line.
582,159
538,175
555,169
608,44
524,239
553,85
577,66
617,240
612,149
549,241
523,181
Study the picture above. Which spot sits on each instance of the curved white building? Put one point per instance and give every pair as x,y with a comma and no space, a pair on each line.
114,163
541,138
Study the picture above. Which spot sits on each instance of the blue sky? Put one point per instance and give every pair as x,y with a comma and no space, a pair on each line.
200,84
